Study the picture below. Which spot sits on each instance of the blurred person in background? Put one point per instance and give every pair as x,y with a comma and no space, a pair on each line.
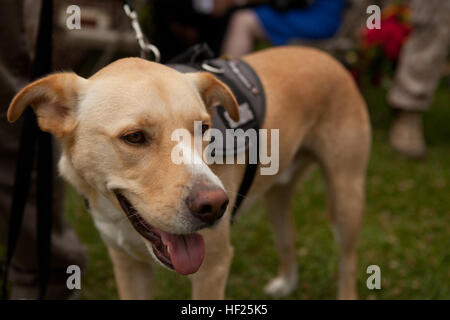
421,66
280,22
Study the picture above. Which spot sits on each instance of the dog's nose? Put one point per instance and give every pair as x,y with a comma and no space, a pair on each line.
207,202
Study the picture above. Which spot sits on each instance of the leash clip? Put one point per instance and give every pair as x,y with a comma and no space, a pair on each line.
146,47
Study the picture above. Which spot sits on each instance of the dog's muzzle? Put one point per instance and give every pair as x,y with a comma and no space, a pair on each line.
183,253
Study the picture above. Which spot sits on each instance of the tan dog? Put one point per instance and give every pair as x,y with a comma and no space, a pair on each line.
115,131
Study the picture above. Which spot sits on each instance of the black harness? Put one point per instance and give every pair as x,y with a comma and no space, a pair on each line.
249,93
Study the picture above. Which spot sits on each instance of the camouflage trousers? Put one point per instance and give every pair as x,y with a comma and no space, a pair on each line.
423,57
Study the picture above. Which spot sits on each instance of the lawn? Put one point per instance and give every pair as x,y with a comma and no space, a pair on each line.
406,227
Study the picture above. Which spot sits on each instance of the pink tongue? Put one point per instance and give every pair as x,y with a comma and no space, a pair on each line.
186,251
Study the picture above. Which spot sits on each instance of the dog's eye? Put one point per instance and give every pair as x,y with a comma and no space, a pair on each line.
204,128
136,138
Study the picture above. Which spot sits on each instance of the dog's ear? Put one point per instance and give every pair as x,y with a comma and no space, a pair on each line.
54,99
214,93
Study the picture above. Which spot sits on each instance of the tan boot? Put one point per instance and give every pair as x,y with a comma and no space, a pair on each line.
406,135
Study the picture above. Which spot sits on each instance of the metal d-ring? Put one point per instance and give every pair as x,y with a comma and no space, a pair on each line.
212,69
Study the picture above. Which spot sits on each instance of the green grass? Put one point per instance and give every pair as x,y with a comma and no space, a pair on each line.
406,228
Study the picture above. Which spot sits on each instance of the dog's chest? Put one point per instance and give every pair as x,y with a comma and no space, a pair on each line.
117,231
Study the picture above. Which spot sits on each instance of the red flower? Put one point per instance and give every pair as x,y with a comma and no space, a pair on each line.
396,34
390,37
373,37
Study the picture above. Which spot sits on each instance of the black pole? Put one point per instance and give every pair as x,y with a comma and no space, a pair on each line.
30,136
42,66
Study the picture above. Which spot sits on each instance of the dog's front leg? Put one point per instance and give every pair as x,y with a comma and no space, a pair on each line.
210,280
134,278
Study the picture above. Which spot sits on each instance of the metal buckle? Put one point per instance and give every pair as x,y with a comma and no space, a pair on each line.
212,69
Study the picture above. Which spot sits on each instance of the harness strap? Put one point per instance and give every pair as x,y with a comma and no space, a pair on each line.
243,84
250,168
247,181
246,87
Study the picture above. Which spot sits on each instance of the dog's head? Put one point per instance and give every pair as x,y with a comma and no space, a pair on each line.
116,132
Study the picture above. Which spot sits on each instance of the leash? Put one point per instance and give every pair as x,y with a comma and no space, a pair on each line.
31,137
147,49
